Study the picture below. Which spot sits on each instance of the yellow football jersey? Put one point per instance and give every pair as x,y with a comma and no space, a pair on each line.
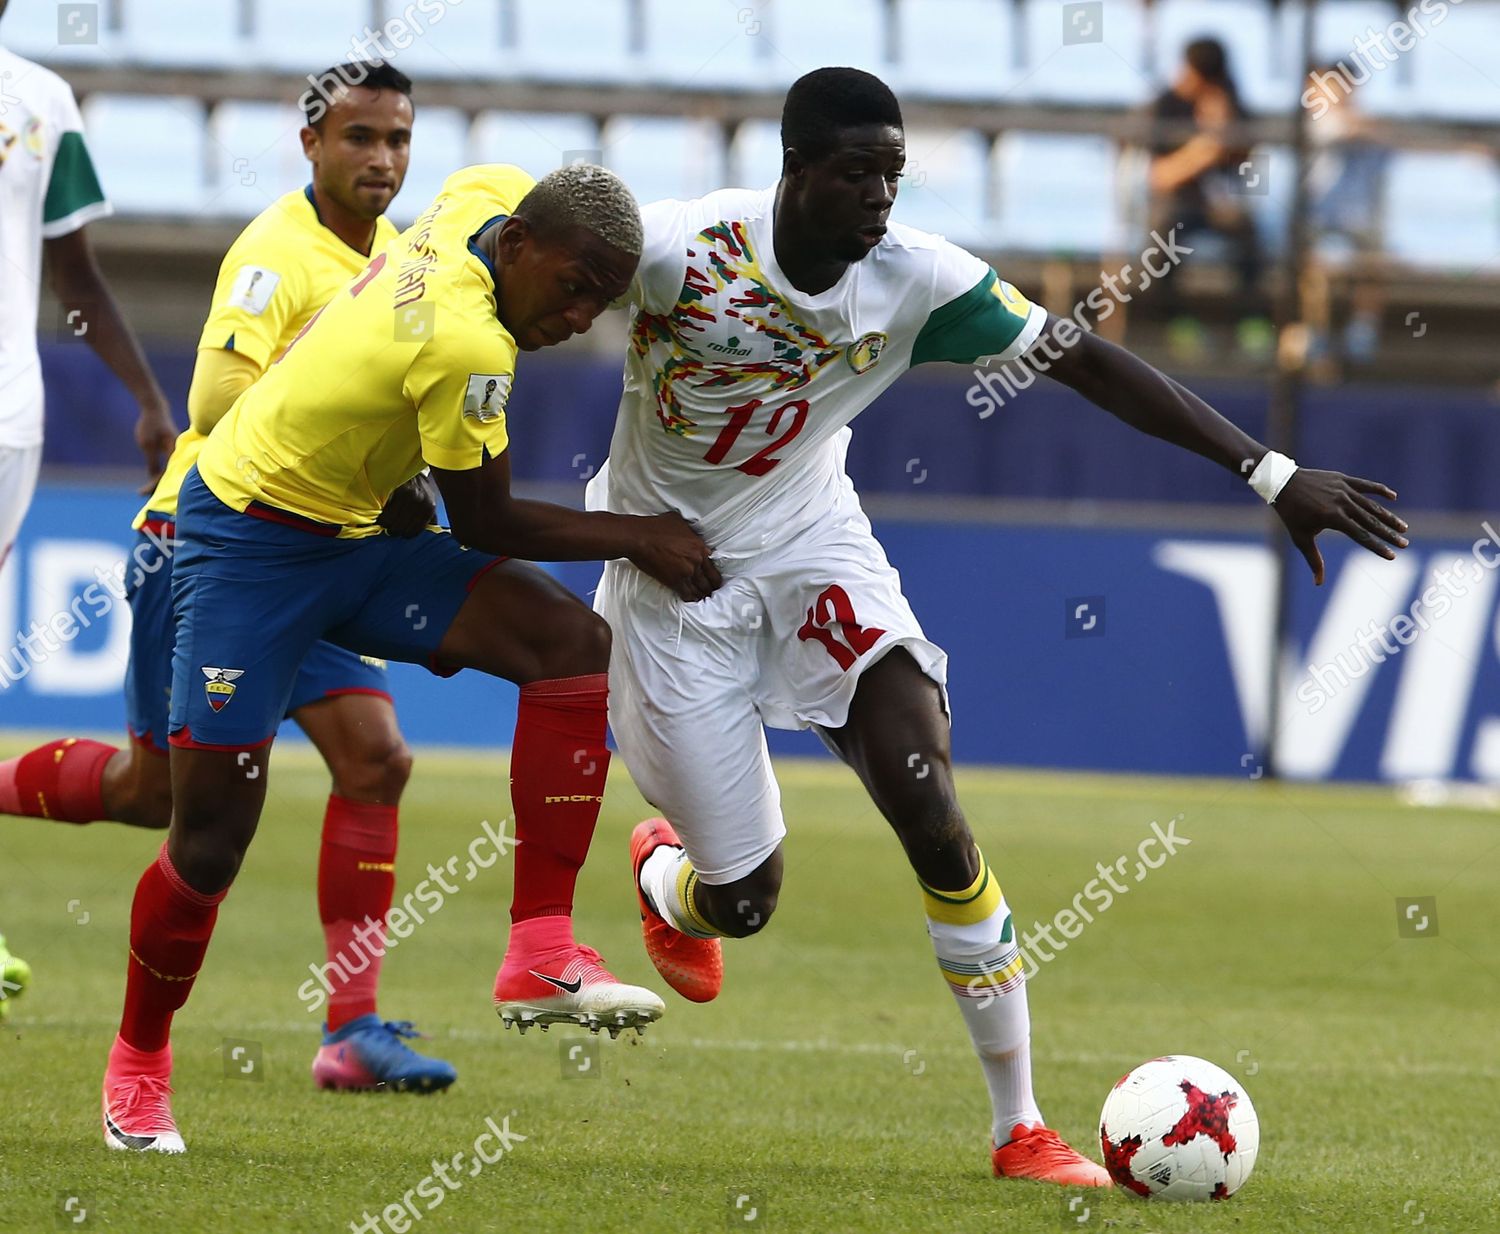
407,365
281,270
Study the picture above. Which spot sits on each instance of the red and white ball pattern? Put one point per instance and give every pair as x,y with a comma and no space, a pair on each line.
1179,1128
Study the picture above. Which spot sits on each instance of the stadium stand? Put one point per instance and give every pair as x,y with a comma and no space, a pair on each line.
444,147
254,157
536,141
1447,83
1080,53
661,156
722,47
149,152
1260,56
589,40
946,187
1056,193
755,153
1025,138
156,34
321,31
926,63
803,36
468,42
1335,30
1443,210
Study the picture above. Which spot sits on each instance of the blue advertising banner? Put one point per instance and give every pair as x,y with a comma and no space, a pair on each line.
1130,650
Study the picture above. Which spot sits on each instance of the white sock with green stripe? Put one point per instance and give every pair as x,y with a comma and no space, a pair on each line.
976,949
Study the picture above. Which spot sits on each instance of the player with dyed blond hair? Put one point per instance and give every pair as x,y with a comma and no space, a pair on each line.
411,364
764,322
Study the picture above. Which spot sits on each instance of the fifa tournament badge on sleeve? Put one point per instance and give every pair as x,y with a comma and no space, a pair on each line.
485,398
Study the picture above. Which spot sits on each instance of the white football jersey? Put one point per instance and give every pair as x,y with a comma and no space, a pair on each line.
739,388
47,189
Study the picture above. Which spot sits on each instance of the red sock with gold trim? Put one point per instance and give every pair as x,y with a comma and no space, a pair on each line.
356,879
170,925
62,780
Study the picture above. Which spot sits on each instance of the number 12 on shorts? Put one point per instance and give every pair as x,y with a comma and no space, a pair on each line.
834,608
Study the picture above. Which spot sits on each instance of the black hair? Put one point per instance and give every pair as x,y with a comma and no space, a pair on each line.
1211,62
372,74
824,102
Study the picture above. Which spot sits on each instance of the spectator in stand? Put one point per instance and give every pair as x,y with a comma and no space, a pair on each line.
1346,179
1197,185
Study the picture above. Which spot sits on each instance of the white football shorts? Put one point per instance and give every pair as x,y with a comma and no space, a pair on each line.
782,643
18,472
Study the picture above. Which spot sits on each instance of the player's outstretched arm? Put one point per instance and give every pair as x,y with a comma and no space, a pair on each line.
1146,399
483,514
80,287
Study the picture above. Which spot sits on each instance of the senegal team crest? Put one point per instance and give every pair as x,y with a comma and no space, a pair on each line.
34,138
866,351
220,685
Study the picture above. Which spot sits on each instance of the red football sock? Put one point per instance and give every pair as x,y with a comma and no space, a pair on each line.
64,780
356,879
170,925
557,767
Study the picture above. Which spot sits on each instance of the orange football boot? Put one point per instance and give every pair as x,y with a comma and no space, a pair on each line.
694,967
1040,1153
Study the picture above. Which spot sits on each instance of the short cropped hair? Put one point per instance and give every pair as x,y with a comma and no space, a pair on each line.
824,102
583,195
324,87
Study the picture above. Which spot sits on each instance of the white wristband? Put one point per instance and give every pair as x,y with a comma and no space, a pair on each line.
1271,474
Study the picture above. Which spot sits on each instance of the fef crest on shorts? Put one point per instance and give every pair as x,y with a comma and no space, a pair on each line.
220,685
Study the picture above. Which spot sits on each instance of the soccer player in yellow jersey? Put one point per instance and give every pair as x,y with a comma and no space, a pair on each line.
284,266
281,545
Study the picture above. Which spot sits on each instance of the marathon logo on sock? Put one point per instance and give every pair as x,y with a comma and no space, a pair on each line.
220,685
573,797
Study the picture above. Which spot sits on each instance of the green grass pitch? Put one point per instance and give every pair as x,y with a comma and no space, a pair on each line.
831,1085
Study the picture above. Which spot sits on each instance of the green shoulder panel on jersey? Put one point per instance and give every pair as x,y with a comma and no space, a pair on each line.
984,321
74,186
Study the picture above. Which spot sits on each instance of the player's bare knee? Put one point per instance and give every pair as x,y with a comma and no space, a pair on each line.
207,860
375,771
745,906
750,914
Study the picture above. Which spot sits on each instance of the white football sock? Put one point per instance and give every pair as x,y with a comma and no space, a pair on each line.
975,943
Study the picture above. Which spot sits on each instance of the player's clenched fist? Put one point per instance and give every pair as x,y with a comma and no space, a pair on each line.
675,555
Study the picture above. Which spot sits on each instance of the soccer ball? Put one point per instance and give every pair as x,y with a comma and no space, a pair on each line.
1179,1128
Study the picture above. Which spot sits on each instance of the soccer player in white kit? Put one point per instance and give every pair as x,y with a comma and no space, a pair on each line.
763,322
48,192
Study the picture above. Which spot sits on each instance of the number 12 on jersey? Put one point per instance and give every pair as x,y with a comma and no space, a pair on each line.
765,458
